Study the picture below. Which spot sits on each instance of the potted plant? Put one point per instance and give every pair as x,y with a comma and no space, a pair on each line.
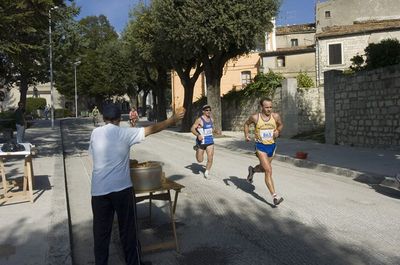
301,155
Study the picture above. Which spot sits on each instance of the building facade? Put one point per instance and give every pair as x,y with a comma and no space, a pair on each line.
344,28
237,73
294,51
12,97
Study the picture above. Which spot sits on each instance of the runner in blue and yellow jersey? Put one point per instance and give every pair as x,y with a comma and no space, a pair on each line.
203,128
268,126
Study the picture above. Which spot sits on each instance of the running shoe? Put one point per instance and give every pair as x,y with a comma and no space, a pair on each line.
207,174
250,175
278,200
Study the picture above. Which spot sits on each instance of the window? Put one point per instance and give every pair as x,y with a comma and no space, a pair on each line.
246,77
335,53
327,14
280,61
294,42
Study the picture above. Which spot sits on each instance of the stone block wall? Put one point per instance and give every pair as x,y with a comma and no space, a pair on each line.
311,109
300,111
236,112
363,109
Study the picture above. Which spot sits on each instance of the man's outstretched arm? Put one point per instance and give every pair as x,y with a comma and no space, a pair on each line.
159,126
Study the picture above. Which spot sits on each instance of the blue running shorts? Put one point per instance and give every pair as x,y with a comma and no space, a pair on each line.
269,149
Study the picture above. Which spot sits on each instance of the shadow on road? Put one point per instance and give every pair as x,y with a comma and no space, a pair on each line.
249,188
196,168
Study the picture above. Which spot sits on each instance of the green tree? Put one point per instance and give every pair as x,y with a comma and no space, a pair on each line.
68,46
304,80
384,53
219,30
145,44
183,59
24,42
94,43
264,85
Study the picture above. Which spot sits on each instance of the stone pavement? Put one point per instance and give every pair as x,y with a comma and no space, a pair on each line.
39,233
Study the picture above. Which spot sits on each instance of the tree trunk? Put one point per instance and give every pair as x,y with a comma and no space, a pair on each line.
162,83
187,104
154,109
213,81
23,89
144,105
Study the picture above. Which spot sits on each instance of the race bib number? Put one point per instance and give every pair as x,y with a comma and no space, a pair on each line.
267,135
207,132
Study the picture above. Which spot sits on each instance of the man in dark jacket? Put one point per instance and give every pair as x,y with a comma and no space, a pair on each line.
20,122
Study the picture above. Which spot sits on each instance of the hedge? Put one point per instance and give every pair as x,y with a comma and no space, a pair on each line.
33,104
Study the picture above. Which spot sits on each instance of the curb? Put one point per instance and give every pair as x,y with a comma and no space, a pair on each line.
60,241
363,177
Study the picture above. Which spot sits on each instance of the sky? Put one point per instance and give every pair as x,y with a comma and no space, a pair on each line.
117,12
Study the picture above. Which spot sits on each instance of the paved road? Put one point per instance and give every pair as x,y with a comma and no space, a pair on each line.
325,218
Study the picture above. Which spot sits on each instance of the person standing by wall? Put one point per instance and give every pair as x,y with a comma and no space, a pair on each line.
203,128
268,126
112,190
20,122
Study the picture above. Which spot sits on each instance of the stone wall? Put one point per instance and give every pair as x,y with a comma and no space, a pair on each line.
236,112
311,109
301,110
363,109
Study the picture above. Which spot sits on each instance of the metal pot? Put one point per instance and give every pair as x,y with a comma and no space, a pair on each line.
146,176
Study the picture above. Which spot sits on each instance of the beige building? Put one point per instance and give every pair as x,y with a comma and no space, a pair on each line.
294,52
237,73
12,97
287,50
347,12
346,27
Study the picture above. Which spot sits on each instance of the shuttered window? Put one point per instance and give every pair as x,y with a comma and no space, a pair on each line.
246,77
335,53
280,61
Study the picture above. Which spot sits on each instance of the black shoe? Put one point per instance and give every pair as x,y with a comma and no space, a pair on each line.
278,200
250,175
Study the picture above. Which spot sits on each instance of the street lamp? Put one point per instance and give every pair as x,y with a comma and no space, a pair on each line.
51,69
76,90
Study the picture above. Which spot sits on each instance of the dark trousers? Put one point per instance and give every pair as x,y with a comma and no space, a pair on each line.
104,207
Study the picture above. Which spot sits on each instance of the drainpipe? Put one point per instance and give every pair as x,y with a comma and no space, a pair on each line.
274,35
317,66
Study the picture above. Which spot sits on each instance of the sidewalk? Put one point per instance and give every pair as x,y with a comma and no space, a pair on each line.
367,165
38,233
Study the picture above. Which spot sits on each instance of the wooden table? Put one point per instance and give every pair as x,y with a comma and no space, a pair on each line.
163,193
27,187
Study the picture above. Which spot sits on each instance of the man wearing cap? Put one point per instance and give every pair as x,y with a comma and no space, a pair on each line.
112,189
202,128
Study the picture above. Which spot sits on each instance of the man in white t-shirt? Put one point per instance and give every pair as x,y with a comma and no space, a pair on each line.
111,183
